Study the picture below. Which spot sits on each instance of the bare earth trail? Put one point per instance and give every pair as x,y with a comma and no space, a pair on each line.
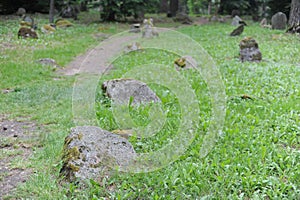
97,59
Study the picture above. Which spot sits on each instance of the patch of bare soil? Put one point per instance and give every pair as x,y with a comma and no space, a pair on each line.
17,139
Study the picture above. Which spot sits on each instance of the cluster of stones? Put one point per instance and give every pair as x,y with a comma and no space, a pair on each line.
92,153
28,26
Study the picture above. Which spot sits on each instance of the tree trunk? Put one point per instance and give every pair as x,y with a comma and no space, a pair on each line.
294,14
209,8
51,11
173,7
221,7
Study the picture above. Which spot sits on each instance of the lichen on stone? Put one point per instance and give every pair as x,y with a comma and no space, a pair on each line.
249,50
90,153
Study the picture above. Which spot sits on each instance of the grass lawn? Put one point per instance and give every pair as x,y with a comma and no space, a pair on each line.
257,156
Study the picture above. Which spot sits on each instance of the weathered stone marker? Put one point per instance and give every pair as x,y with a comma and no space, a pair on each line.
21,11
238,31
149,30
279,21
121,90
249,50
185,62
25,32
236,21
90,153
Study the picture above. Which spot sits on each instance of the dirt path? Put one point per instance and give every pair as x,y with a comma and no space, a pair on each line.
17,140
96,60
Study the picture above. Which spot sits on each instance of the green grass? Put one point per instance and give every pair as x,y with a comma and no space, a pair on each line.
257,157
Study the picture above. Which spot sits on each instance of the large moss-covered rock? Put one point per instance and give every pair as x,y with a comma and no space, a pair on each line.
25,32
48,28
62,23
92,153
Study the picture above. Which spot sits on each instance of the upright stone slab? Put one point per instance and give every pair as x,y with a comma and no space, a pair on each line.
149,30
279,21
249,50
21,11
236,21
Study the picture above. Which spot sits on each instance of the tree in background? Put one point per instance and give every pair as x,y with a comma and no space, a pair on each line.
32,6
196,6
164,6
174,5
294,21
279,6
113,10
227,6
51,11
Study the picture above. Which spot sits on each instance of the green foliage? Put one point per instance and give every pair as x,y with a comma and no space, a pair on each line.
279,6
118,10
197,6
226,6
41,6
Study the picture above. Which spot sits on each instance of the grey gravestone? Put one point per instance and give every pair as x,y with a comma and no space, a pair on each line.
249,50
121,90
21,11
236,21
149,30
263,22
91,153
28,21
279,21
